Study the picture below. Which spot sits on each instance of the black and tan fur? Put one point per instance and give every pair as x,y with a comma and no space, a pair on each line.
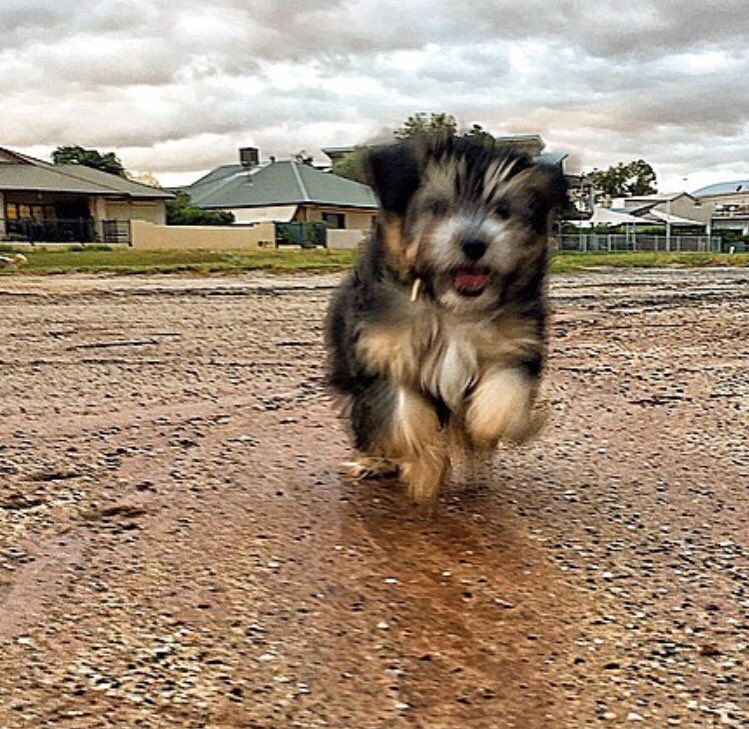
438,336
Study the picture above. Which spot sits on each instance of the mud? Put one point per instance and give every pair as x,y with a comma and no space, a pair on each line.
178,548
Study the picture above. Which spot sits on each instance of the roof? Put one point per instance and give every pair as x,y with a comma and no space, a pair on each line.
657,197
650,213
29,174
509,138
632,209
724,188
334,150
277,183
609,216
659,215
551,158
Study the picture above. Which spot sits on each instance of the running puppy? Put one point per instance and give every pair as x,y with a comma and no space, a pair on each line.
437,337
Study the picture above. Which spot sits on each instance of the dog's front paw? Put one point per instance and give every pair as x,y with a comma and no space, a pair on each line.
501,408
367,467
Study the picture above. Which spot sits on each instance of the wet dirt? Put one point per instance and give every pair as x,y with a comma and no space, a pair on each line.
178,546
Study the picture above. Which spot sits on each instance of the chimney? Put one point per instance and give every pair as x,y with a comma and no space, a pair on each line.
249,156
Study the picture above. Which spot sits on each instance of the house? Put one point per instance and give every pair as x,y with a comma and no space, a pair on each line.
531,144
40,201
284,191
534,146
676,209
730,203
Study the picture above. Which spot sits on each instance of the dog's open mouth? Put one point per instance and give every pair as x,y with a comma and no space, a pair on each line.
471,281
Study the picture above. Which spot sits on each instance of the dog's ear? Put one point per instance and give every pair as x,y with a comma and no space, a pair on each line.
542,188
393,173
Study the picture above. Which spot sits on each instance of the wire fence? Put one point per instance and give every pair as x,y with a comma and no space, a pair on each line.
619,242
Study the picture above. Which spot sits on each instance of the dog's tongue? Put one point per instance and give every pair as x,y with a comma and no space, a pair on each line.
467,279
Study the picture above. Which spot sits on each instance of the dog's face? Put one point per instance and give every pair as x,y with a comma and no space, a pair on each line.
469,220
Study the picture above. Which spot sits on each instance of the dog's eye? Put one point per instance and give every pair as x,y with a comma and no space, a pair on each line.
502,210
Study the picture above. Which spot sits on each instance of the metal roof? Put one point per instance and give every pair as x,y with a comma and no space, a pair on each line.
33,175
656,197
673,219
277,183
344,148
551,158
609,216
724,188
631,210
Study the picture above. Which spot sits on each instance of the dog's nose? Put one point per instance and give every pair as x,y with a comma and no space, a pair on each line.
473,248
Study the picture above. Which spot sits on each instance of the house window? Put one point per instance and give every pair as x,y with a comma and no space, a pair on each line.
11,211
334,220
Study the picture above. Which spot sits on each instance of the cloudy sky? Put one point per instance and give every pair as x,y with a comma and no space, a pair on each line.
175,86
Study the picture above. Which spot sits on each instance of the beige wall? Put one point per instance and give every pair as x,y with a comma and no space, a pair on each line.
146,235
731,198
337,239
152,211
355,218
685,207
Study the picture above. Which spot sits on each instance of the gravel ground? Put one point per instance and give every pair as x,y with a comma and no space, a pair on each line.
178,548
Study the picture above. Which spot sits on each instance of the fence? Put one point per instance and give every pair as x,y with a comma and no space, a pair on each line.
202,237
612,242
63,230
306,235
346,238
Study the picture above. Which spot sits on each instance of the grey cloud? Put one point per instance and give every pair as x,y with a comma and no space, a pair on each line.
599,79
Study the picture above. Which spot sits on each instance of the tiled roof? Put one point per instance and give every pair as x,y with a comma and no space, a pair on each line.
277,183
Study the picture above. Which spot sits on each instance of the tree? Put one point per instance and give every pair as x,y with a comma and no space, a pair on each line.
108,162
417,125
420,124
623,180
180,212
351,166
478,134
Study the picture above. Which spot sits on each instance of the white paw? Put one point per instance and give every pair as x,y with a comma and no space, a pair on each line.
502,408
367,467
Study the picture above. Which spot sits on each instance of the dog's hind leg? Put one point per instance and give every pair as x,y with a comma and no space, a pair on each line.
371,412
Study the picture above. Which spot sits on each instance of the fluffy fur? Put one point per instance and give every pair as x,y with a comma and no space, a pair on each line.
438,336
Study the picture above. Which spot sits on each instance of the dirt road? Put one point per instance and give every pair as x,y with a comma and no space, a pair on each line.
177,546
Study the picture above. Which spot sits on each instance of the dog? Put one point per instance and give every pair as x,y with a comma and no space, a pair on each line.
436,340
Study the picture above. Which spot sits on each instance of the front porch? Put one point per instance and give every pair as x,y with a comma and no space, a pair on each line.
53,217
